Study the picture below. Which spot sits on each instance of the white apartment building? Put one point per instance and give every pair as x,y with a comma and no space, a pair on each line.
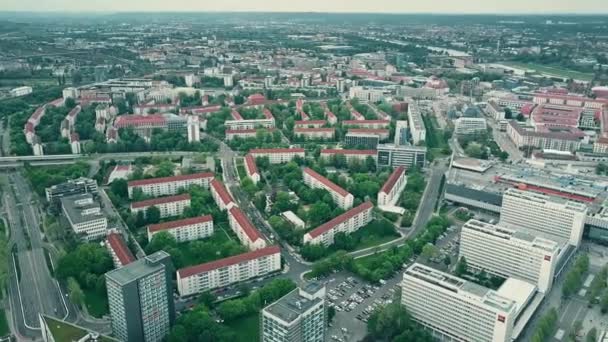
249,124
382,134
525,136
169,206
194,129
348,222
373,124
456,309
469,126
121,255
341,197
244,229
220,194
547,215
350,155
315,133
228,271
245,133
278,155
366,94
509,253
297,316
21,91
310,123
417,128
189,229
251,169
392,189
71,92
169,185
401,133
84,216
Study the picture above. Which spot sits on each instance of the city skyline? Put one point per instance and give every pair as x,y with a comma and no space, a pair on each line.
380,6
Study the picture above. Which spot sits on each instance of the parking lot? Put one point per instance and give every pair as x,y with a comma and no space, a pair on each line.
354,301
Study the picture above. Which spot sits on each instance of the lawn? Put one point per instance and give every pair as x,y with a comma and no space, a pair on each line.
552,70
4,330
97,304
247,329
370,238
63,331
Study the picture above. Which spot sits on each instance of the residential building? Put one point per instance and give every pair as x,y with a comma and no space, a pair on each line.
120,172
244,229
348,223
540,213
242,124
157,108
362,140
392,189
189,229
371,124
341,197
121,255
350,155
315,133
292,218
246,133
228,271
220,194
194,129
506,252
310,123
382,134
169,185
71,187
569,100
401,133
456,309
21,91
298,316
552,115
251,169
394,156
464,126
75,143
544,137
140,296
417,127
367,94
278,155
84,216
169,206
71,93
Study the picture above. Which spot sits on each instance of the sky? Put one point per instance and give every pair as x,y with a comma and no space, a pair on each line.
386,6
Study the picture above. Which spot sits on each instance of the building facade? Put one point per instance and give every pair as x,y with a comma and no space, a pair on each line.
169,206
220,194
189,229
170,185
244,229
348,223
251,169
417,127
341,197
84,216
395,156
392,189
278,155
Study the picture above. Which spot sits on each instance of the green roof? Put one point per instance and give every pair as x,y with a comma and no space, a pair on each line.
66,332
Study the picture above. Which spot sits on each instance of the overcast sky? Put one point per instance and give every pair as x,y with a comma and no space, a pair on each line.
388,6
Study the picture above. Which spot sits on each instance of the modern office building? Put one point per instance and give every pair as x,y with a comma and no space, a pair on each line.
84,216
298,316
509,253
244,229
395,156
225,272
362,140
464,126
69,188
169,185
169,206
251,169
189,229
341,197
401,133
392,188
456,309
121,255
348,223
536,212
140,296
417,127
220,194
194,129
278,155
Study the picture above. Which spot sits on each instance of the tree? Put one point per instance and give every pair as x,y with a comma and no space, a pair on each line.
508,113
331,313
591,335
520,117
120,188
152,215
429,251
75,292
161,241
165,169
461,267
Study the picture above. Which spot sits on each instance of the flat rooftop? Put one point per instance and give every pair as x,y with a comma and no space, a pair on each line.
79,213
518,290
292,305
138,269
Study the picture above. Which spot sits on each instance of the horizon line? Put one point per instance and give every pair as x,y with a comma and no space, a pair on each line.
67,11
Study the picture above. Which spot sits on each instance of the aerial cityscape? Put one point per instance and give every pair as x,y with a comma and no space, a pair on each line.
249,171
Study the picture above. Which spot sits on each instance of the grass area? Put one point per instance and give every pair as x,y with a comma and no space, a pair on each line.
63,331
370,238
97,304
4,330
436,139
240,167
552,70
247,329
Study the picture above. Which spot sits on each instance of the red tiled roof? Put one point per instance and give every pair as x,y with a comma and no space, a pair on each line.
353,152
365,122
276,150
75,111
74,137
310,130
179,223
236,115
267,114
233,260
221,190
38,112
392,179
120,248
310,122
252,233
333,186
248,131
128,120
257,97
160,200
156,106
142,182
250,164
368,130
339,219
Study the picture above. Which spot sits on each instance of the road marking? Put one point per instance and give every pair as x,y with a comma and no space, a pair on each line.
19,293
